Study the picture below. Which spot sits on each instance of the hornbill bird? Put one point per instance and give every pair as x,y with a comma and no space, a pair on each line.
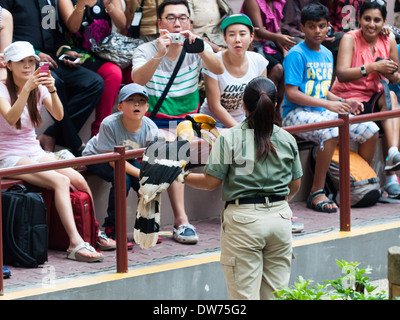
163,161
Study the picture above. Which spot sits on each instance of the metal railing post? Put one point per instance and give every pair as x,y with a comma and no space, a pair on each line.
344,173
120,211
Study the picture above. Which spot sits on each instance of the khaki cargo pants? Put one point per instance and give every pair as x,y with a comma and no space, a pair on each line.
256,249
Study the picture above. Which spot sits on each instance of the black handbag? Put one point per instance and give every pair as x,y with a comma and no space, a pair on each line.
25,233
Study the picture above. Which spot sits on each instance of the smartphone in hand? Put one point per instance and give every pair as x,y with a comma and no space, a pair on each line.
70,58
44,67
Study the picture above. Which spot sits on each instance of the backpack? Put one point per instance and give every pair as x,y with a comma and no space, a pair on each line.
24,227
364,183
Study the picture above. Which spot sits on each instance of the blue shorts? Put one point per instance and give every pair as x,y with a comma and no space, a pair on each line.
359,132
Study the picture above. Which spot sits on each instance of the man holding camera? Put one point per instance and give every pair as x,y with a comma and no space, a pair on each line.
153,64
156,60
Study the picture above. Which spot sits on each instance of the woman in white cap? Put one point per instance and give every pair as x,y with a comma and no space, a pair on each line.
21,98
224,92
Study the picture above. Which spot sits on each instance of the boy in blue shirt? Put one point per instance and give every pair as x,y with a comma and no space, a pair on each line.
308,74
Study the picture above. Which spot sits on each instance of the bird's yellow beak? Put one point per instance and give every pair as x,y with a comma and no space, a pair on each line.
184,130
203,122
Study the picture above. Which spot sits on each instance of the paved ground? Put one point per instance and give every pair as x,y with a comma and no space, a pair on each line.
168,250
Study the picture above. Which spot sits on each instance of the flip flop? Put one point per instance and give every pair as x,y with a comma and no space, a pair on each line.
319,206
103,247
75,255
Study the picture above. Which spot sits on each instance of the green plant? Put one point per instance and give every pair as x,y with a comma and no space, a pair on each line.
352,285
301,291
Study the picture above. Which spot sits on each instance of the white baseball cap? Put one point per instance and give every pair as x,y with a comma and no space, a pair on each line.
18,51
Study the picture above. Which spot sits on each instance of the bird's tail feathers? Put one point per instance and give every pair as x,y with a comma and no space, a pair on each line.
149,191
147,224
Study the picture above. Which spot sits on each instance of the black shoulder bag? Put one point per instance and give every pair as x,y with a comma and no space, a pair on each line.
169,84
196,47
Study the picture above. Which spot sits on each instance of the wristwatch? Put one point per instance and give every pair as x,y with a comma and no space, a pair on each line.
363,70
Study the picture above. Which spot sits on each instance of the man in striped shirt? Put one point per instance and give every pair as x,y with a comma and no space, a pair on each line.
153,64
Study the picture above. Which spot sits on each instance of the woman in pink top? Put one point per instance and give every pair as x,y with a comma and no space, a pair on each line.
266,16
21,98
359,74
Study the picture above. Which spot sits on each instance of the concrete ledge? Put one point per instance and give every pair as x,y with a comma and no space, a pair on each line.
200,277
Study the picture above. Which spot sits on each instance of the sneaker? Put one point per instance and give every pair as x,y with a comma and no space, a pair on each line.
297,227
185,234
392,189
110,232
393,163
6,273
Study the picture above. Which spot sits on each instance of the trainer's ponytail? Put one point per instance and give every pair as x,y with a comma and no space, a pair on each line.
259,100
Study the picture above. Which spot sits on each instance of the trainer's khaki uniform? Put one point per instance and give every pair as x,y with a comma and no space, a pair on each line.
256,238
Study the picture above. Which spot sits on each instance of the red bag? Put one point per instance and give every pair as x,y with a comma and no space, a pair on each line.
85,220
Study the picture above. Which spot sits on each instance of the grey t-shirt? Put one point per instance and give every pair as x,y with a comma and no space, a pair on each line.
113,133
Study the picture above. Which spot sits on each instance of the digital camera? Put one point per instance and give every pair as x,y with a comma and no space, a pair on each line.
177,38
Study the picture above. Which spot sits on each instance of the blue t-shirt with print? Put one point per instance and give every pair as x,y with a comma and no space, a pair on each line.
310,71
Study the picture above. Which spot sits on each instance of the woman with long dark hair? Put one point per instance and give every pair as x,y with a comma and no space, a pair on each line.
259,166
366,56
21,98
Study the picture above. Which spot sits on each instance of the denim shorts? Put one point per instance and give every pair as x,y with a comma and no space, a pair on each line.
359,132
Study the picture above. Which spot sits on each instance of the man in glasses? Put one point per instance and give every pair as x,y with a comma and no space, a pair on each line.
152,66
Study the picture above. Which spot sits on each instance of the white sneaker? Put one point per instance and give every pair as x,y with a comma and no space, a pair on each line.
392,189
393,163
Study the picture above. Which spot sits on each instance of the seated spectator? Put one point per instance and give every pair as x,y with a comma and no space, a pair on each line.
6,34
79,89
153,64
359,77
134,130
291,22
308,74
224,92
21,99
100,18
266,17
206,16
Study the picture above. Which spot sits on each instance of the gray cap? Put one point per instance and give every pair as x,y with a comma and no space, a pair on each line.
131,89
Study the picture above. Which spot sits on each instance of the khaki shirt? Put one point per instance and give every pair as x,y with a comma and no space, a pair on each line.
233,159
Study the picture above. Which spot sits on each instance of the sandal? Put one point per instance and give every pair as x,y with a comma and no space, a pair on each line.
111,245
320,206
75,255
